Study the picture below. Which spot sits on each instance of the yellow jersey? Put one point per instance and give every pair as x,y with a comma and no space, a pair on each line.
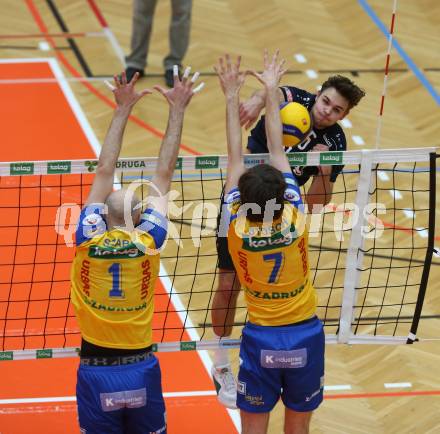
112,279
271,261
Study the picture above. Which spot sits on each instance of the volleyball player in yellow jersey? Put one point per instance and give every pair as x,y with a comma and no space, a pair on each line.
282,349
113,275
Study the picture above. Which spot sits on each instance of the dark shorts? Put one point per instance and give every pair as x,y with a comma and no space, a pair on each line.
121,399
224,258
284,361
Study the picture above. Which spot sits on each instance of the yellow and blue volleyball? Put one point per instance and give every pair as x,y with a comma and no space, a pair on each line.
296,121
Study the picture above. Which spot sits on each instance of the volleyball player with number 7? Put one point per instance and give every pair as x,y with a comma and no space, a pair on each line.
282,348
113,277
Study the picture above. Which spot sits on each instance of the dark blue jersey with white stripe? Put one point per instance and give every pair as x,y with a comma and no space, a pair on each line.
332,136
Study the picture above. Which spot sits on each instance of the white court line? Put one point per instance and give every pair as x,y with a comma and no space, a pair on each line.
383,176
337,387
409,213
397,385
358,140
44,46
346,123
396,194
422,232
32,60
54,80
300,58
59,78
194,393
38,400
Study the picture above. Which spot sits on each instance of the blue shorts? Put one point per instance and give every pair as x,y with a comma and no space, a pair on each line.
286,361
121,399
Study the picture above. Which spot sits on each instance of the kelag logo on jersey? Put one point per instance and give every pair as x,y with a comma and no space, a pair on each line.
100,252
277,240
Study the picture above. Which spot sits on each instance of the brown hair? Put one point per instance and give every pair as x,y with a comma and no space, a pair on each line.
348,89
260,184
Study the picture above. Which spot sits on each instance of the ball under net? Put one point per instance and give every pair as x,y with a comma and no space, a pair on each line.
370,250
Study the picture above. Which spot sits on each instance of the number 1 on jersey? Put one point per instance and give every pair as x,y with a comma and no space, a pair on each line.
115,271
278,258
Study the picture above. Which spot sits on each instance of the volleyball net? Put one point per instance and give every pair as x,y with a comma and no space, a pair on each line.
370,250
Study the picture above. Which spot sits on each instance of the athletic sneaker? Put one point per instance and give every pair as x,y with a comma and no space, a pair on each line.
226,385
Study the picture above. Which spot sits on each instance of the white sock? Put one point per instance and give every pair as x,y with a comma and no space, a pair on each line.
221,357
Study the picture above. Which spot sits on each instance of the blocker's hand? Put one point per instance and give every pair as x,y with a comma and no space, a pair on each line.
125,93
229,74
180,94
273,70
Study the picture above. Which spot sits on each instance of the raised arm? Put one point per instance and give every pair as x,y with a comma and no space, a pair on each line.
126,97
270,78
231,80
251,108
178,99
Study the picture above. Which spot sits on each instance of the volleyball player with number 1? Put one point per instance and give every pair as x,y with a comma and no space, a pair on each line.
113,276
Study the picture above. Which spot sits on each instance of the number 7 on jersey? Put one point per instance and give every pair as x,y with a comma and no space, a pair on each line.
278,261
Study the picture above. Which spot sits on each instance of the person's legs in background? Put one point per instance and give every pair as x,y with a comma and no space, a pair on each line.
142,24
180,27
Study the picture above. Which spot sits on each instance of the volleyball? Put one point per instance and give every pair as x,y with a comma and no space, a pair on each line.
296,121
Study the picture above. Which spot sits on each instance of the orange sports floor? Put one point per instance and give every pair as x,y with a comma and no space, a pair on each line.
38,123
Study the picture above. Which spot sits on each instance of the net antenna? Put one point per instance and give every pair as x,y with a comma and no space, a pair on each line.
385,77
366,186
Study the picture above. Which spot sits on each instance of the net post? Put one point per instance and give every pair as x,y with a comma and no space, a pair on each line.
354,253
412,336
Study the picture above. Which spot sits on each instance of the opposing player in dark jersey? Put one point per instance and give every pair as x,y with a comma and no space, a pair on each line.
331,104
282,349
113,275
